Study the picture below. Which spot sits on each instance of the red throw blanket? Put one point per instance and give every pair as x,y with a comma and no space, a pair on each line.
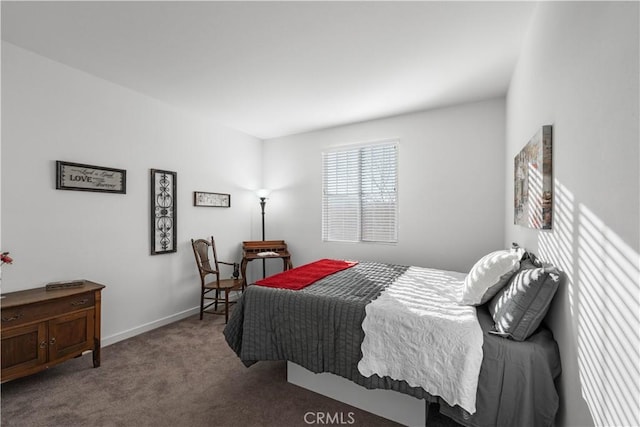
300,277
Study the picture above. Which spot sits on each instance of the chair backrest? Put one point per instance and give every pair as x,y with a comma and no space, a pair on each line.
203,261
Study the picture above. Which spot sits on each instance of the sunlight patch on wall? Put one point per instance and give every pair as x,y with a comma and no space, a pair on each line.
603,288
558,246
608,327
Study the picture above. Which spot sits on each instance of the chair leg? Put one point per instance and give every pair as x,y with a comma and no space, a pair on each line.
215,304
201,303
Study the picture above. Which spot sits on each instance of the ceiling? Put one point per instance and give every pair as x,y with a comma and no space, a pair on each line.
271,69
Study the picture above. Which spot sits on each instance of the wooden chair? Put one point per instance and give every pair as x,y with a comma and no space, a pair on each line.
214,284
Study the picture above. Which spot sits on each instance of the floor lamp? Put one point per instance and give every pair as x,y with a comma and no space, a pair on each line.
262,194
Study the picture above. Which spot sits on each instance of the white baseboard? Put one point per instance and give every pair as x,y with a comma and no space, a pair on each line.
112,339
389,404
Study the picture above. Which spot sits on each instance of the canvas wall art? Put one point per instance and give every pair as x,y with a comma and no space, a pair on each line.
533,183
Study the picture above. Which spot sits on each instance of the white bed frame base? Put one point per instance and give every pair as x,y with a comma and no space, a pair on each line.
390,404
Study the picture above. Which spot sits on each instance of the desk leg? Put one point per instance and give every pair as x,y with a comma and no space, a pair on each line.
243,271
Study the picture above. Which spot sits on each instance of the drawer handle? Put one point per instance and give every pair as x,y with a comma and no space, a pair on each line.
43,344
12,318
80,302
52,341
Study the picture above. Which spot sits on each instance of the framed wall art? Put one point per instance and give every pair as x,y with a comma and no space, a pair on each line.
533,185
220,200
81,177
163,211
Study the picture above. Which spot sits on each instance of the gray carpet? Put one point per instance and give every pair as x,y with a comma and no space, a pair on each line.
183,374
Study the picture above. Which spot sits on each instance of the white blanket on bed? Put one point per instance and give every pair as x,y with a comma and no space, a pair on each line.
415,331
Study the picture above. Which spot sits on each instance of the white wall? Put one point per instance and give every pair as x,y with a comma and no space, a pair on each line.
451,187
52,112
579,72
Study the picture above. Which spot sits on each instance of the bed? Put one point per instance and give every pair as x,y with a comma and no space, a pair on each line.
320,328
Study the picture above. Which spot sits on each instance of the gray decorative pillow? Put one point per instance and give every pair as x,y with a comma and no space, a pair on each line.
519,307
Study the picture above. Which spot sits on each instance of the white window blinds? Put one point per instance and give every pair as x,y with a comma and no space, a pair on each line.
360,194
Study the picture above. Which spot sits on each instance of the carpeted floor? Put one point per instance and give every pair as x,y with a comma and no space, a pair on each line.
183,374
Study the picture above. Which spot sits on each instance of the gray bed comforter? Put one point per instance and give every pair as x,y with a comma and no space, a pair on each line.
319,328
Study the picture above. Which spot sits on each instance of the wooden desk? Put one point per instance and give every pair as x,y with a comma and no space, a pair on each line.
42,328
252,249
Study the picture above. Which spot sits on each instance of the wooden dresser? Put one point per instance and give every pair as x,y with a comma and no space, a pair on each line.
41,328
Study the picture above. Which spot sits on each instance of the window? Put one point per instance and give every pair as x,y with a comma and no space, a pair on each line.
360,193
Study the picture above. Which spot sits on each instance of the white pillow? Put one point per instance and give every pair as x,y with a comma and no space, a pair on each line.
490,274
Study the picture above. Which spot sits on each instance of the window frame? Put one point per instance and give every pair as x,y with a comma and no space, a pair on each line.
360,235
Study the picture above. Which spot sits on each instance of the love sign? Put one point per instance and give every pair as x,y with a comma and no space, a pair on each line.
81,177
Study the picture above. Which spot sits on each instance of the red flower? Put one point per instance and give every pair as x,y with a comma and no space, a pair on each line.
5,258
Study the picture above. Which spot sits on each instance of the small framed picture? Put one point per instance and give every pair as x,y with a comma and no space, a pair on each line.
81,177
216,200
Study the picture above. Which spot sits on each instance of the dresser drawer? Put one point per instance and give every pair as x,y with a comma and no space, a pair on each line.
23,314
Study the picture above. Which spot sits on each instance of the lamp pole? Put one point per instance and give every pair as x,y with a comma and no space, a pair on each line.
262,203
